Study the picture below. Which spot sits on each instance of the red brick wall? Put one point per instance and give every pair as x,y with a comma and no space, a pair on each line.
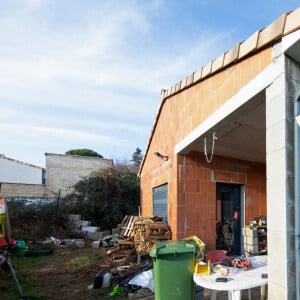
192,193
197,205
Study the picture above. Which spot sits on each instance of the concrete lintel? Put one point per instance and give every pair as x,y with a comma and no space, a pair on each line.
290,39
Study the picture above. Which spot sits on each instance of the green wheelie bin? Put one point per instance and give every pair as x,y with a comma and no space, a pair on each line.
174,264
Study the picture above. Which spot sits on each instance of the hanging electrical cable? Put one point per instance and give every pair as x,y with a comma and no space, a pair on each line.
212,148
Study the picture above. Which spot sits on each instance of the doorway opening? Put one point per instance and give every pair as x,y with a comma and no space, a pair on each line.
229,218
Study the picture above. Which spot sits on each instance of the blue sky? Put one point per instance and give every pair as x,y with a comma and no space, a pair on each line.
88,73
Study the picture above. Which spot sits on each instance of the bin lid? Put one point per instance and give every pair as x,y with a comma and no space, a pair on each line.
167,248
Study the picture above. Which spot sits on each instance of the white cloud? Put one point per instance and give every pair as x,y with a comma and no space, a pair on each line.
49,133
89,73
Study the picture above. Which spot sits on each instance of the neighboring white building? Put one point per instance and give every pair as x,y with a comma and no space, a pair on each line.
15,171
64,171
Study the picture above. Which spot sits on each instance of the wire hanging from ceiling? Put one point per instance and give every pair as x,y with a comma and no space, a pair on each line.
214,138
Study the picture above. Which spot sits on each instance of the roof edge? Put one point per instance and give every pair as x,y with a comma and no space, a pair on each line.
282,26
21,162
285,24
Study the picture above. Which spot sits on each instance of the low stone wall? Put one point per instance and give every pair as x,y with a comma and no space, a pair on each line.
19,190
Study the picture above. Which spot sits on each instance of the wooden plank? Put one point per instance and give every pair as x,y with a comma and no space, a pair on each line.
123,223
126,233
158,226
158,237
125,242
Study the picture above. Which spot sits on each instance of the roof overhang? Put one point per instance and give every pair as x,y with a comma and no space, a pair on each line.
240,123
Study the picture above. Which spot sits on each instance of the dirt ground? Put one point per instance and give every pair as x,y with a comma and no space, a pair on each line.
59,281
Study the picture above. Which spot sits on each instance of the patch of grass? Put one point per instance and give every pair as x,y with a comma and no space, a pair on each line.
21,265
82,263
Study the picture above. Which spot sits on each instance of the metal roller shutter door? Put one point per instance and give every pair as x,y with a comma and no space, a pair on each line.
160,202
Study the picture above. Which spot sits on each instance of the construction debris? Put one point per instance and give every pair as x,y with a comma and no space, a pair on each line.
147,233
129,257
141,233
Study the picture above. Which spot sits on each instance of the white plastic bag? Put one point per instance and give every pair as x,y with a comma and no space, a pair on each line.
144,279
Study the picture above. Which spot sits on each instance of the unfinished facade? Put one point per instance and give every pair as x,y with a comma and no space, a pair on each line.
225,145
64,171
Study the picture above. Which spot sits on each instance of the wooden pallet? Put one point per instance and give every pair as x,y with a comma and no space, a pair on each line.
126,228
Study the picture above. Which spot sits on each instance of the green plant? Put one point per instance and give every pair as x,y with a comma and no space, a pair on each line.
106,197
36,220
82,262
84,152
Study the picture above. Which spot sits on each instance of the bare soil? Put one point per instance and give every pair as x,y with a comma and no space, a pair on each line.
64,275
60,281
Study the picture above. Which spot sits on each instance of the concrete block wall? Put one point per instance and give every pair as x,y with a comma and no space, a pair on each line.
64,171
280,99
17,190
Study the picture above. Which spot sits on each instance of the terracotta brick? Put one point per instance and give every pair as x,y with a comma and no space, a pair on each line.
292,21
229,176
272,32
192,194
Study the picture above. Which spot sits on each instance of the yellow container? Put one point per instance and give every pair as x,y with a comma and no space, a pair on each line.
2,225
202,268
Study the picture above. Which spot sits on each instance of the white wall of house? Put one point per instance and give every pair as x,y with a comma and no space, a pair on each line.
14,171
64,171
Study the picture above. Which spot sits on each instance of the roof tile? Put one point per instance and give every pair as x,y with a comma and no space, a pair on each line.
218,63
248,45
163,93
206,69
292,21
232,55
190,79
272,32
183,83
197,75
173,89
285,24
169,92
